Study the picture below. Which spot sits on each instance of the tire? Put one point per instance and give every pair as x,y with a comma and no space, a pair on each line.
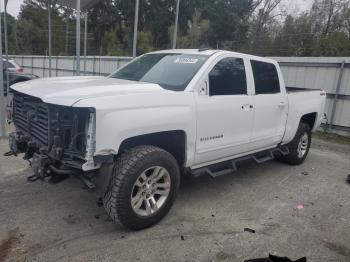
296,155
132,172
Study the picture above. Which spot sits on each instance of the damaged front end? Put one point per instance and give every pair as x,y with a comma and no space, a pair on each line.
55,139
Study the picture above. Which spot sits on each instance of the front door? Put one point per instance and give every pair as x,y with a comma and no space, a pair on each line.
224,112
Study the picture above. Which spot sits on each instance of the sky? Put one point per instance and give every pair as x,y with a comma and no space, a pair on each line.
292,6
13,6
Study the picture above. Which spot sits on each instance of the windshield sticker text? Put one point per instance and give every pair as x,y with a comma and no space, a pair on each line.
185,60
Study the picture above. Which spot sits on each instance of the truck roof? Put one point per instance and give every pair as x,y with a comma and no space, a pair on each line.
210,52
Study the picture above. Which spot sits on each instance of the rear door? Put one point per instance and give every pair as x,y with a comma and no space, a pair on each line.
224,111
270,103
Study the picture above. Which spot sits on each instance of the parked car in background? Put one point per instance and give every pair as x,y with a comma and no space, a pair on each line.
12,66
15,73
133,133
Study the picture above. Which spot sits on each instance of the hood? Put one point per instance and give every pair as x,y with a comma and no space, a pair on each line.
69,90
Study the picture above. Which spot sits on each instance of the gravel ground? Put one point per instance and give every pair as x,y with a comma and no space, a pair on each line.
62,222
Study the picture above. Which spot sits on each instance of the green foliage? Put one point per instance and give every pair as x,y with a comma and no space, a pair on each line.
252,26
295,38
11,32
228,22
32,29
145,40
197,34
336,44
111,44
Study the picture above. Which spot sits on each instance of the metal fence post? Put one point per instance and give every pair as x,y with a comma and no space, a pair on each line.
78,39
2,98
6,46
136,20
176,23
118,63
32,65
50,45
74,66
334,106
44,64
94,66
99,65
57,65
85,41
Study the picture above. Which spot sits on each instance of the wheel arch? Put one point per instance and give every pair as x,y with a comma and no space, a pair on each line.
173,141
309,119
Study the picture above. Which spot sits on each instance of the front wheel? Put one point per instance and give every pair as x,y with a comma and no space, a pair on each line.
299,146
143,187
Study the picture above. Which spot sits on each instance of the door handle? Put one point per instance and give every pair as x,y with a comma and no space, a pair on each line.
282,104
246,106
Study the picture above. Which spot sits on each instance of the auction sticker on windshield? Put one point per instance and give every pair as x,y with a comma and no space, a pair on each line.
184,60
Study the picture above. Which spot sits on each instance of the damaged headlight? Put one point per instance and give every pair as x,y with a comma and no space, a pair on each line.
90,141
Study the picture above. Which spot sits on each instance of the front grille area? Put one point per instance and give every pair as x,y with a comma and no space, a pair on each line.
31,117
60,131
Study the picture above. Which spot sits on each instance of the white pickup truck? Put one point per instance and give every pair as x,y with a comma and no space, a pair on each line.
166,113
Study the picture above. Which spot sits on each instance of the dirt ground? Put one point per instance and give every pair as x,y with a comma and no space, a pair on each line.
62,222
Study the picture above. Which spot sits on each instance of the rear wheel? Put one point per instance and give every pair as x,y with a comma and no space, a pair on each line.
143,187
299,146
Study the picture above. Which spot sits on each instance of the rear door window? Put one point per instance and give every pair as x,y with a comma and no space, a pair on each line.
265,78
228,77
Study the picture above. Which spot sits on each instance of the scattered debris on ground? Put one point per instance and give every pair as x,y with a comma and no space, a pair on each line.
300,206
9,243
57,221
71,219
273,258
333,137
249,230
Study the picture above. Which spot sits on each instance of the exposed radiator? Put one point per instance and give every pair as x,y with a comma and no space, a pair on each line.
60,130
31,117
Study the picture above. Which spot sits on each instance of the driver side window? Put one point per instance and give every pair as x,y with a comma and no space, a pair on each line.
228,78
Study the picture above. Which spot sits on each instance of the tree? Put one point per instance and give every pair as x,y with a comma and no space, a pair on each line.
111,44
32,28
197,33
326,15
104,17
262,26
145,42
228,22
336,44
252,26
11,33
295,37
345,17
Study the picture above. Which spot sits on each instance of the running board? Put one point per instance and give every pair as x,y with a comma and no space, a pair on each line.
230,166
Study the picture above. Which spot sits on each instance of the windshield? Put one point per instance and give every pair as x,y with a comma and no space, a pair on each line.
170,71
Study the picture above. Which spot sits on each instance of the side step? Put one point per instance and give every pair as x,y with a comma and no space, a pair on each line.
230,166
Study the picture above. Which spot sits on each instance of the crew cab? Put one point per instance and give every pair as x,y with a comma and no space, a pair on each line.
166,113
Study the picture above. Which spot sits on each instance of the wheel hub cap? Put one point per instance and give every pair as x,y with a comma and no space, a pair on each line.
303,145
150,191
